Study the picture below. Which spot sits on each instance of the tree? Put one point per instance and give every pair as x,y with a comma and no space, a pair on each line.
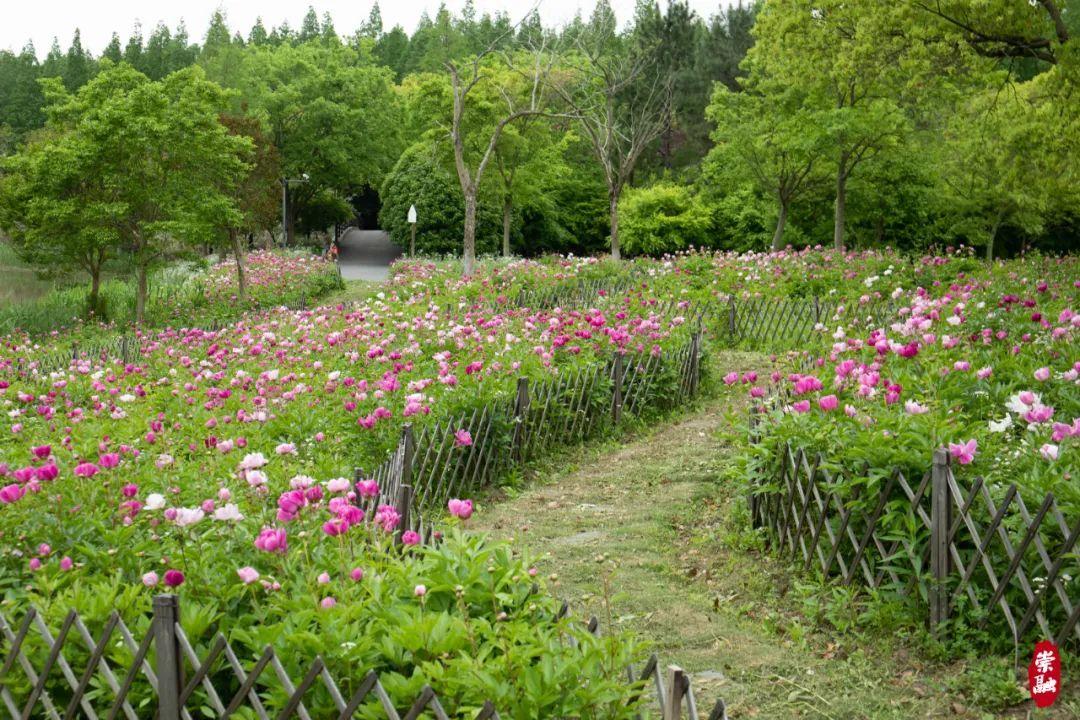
1003,29
474,143
328,116
619,99
255,196
851,61
56,211
422,178
150,170
771,140
1007,160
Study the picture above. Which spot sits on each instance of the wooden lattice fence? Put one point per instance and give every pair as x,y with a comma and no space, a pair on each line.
950,546
434,465
68,672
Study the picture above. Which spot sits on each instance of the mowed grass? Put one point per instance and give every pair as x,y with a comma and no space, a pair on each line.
652,519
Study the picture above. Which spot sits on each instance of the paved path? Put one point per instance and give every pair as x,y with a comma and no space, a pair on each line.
366,254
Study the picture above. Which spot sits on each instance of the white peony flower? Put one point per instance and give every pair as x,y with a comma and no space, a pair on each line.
155,501
998,426
227,512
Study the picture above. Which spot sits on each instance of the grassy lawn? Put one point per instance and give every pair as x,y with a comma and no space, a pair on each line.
18,282
654,518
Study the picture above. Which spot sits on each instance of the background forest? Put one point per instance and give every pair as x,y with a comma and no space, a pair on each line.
905,124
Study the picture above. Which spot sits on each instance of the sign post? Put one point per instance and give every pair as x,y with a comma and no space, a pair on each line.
412,236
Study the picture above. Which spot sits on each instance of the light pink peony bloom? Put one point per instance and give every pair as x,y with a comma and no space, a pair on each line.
248,574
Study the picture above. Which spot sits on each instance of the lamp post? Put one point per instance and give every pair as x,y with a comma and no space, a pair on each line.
285,182
412,237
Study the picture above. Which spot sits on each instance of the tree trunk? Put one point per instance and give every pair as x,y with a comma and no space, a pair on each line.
140,293
238,253
94,301
613,199
778,236
469,249
993,237
508,209
841,205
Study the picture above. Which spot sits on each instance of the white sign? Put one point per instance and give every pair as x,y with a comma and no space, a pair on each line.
412,214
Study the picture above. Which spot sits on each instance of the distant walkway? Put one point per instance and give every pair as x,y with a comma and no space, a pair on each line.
366,254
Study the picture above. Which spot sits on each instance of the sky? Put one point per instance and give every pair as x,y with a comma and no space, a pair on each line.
41,21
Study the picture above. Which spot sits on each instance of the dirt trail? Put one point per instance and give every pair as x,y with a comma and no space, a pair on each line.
687,576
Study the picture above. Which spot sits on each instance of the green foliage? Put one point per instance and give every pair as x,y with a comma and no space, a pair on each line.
662,218
420,179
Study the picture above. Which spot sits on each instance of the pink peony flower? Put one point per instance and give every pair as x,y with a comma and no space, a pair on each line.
248,574
357,574
272,540
420,591
1042,374
327,603
463,438
150,579
460,508
964,453
86,469
828,403
410,537
1049,452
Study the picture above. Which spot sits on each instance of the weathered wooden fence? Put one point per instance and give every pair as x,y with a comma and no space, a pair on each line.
63,673
436,465
951,544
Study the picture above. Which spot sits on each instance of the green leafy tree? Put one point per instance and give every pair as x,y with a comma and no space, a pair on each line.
770,141
329,118
150,169
255,196
851,62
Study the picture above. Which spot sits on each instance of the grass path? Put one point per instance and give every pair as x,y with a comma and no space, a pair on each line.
654,513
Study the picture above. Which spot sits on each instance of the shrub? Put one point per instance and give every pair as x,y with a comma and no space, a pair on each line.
419,179
662,218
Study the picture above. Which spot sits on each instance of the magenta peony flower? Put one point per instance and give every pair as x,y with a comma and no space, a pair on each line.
410,537
272,540
964,453
357,574
463,438
460,508
828,403
86,469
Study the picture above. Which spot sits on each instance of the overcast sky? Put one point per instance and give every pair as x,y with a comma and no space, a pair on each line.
42,20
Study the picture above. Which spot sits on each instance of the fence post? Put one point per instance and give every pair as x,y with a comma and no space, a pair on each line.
404,503
731,315
940,520
75,351
409,450
817,311
521,411
675,690
170,670
616,396
695,362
